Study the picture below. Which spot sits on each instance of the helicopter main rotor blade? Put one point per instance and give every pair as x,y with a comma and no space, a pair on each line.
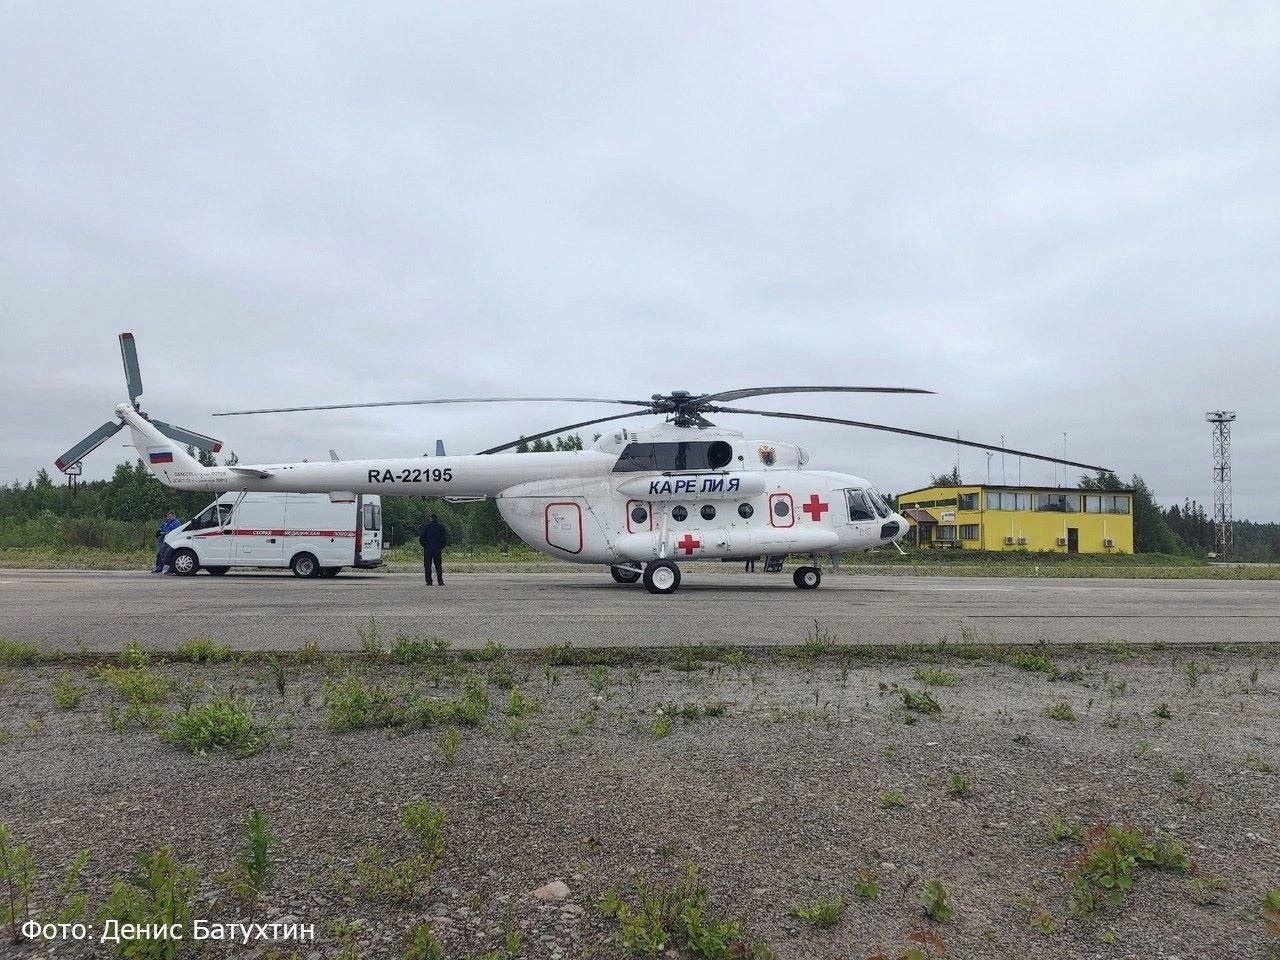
414,403
189,437
132,373
568,426
90,443
763,391
909,433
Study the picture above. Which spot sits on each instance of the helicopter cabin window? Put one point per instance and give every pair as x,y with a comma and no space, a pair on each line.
859,508
708,512
780,507
673,455
639,514
679,513
745,510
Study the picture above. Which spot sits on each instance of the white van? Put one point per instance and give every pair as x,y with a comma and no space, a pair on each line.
309,533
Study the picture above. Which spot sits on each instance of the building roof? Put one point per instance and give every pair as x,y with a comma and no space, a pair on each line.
1011,486
916,515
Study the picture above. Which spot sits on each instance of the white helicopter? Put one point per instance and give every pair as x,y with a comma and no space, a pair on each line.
637,501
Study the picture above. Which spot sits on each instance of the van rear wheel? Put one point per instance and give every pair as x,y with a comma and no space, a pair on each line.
305,565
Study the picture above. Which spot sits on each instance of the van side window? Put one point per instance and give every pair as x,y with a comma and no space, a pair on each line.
372,516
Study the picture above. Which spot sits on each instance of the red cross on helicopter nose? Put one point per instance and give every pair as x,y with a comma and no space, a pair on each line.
815,508
688,544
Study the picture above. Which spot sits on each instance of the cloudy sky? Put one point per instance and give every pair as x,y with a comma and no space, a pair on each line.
1063,219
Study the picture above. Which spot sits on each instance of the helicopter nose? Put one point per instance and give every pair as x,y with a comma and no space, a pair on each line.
895,528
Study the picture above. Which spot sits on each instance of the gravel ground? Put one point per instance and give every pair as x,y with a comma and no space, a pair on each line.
779,800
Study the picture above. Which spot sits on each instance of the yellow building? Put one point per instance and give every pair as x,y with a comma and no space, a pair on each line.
1058,519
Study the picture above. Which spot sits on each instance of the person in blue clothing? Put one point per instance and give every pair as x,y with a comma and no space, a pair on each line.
171,523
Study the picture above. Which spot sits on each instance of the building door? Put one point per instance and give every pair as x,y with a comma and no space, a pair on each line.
1073,540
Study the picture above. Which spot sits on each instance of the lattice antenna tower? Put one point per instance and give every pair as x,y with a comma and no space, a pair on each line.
1221,420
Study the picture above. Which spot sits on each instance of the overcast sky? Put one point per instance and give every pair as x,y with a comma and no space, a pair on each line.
1064,220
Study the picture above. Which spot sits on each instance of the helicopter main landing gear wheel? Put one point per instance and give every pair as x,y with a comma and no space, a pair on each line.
807,578
624,574
661,576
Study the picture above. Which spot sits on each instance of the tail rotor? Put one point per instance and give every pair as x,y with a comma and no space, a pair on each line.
133,384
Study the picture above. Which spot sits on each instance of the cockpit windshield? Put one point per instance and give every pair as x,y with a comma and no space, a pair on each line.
674,455
878,502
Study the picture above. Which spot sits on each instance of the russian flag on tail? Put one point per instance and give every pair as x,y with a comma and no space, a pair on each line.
160,456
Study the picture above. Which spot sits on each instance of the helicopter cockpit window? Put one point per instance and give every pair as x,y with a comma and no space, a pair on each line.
674,455
877,501
859,508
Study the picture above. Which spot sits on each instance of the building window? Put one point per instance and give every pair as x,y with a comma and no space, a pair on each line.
1058,502
745,510
1106,503
968,531
678,513
946,531
708,512
1008,500
968,501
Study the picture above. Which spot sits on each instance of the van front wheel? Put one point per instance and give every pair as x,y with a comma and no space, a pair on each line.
305,565
185,563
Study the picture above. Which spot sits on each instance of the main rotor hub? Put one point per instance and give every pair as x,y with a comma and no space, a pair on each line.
682,406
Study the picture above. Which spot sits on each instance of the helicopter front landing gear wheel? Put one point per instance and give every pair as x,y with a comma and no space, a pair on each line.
807,578
661,576
624,574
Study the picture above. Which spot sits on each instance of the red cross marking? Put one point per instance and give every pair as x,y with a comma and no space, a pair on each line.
815,508
688,544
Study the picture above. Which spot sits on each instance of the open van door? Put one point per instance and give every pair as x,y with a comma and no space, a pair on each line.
369,532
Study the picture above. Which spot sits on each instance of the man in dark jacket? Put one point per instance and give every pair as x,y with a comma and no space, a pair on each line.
433,539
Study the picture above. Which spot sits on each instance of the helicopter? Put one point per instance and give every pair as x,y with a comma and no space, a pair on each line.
638,501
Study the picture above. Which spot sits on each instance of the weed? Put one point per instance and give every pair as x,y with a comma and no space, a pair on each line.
140,689
823,912
424,822
16,654
202,650
277,673
1162,711
1061,711
1178,775
679,916
919,701
1104,871
423,944
132,655
516,727
690,656
934,900
156,895
402,880
17,870
67,694
308,654
559,655
1204,889
490,651
598,677
450,744
518,705
736,658
406,650
892,798
253,860
936,677
500,676
1033,662
1271,911
1192,673
865,885
354,705
1042,921
661,725
817,643
371,641
225,722
958,786
1060,830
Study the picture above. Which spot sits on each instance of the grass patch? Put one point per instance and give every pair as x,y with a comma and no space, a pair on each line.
139,691
936,903
679,917
936,677
66,693
16,654
225,722
202,650
1104,872
405,650
1061,711
823,912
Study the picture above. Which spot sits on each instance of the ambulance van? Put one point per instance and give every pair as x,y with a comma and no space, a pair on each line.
310,533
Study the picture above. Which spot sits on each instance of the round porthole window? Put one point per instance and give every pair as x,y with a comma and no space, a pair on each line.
708,512
745,510
679,513
781,508
639,514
